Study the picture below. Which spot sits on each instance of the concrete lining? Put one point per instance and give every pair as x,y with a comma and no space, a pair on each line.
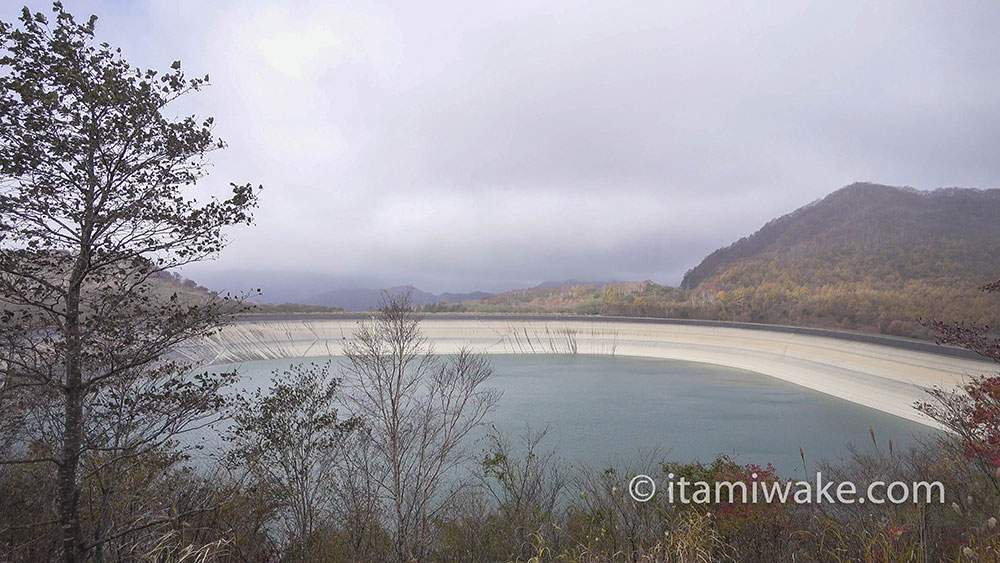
879,372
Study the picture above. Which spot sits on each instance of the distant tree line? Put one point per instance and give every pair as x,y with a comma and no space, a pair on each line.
764,293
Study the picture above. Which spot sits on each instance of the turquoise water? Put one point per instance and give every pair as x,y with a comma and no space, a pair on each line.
599,408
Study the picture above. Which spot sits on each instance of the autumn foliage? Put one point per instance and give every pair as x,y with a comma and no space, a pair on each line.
975,414
868,258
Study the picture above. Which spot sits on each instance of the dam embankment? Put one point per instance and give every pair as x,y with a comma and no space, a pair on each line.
888,374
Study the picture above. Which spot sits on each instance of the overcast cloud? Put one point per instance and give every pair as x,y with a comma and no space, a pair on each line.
459,145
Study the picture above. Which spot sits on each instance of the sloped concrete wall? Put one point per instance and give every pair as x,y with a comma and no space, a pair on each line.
885,377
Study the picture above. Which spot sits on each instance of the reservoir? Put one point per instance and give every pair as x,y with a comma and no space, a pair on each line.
600,408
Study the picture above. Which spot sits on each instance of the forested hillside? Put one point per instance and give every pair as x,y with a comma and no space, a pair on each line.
867,257
614,298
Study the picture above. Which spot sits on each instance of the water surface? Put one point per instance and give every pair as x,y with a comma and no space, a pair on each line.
600,407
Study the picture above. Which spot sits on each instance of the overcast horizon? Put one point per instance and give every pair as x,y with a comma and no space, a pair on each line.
458,147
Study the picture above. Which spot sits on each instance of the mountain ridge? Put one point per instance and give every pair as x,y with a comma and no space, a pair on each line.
875,199
866,257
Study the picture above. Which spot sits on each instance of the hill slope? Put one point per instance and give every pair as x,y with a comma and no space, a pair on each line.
600,298
187,291
866,256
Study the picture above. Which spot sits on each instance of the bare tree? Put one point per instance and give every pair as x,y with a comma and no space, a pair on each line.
357,503
93,209
290,440
525,482
419,408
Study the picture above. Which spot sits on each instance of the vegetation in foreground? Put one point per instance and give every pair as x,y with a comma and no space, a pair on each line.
376,465
104,434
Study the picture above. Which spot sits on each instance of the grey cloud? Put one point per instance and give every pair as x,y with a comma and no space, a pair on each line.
470,146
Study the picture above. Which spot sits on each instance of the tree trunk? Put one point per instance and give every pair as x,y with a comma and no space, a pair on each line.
69,490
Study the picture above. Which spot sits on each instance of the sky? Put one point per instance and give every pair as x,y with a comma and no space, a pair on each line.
467,145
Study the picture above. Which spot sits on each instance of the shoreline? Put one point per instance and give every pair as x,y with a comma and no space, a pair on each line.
871,371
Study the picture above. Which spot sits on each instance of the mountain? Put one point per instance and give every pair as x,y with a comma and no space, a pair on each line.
867,256
363,299
166,284
890,227
277,286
